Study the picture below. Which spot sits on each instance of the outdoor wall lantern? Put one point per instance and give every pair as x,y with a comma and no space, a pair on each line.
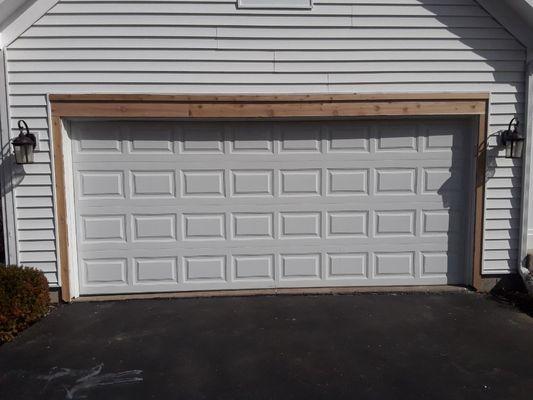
512,140
24,144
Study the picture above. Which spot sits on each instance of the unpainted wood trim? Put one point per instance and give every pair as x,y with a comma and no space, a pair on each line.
61,203
479,217
263,106
265,109
268,98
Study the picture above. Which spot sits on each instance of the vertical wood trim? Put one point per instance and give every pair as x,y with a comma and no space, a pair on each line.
481,159
61,204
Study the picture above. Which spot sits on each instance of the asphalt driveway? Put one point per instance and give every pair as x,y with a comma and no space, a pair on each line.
366,346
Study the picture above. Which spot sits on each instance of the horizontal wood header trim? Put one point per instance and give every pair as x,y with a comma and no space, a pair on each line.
188,98
275,106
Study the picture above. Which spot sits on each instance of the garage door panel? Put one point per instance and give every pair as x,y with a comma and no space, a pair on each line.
110,183
205,269
283,223
266,141
172,206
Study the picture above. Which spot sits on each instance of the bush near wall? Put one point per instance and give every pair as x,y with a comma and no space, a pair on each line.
24,299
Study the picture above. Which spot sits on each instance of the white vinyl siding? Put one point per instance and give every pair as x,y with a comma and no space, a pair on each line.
275,3
338,46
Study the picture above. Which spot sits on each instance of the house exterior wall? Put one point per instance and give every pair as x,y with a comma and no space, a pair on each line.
339,46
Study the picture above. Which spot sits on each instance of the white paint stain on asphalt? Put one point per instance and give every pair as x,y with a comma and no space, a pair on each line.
77,381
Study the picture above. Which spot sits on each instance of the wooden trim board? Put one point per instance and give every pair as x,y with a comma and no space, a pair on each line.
61,203
298,98
66,106
479,198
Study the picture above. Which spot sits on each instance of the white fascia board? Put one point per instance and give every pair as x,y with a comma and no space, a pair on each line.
510,20
25,21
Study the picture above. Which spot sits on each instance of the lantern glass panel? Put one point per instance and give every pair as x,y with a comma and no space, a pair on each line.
509,148
518,146
24,154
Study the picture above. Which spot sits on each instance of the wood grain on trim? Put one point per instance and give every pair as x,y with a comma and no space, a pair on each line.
61,202
270,106
280,106
268,98
479,195
265,110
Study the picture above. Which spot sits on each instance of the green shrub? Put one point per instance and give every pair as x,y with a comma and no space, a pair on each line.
24,299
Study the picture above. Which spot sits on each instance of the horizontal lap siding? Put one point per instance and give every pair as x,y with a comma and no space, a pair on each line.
121,46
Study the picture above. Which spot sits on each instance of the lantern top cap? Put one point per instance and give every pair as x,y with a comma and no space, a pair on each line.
23,139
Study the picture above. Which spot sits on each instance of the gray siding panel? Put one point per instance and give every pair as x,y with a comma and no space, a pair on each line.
85,46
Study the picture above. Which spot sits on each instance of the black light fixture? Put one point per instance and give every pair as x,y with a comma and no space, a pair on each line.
512,140
24,144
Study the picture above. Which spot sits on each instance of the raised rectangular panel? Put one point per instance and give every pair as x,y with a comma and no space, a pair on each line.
203,138
395,223
300,266
153,184
347,264
153,270
303,138
101,184
300,225
401,264
252,182
151,137
300,182
396,138
348,139
347,182
396,181
347,224
439,180
103,228
439,142
442,136
154,227
100,143
201,268
434,263
105,272
151,146
205,183
252,226
254,267
252,138
435,222
203,226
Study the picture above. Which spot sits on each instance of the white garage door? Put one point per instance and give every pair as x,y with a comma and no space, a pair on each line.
172,206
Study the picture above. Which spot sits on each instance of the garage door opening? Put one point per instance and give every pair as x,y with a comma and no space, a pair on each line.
164,206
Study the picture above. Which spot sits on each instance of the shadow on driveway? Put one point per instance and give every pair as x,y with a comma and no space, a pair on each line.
366,346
